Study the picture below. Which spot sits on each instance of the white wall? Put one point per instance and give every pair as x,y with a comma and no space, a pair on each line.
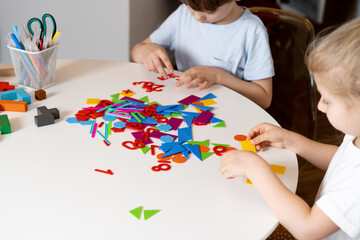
91,29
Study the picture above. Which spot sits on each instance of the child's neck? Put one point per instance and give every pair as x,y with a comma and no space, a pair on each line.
235,13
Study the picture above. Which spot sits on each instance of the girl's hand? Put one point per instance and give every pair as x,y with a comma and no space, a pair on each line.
266,134
154,56
237,163
200,76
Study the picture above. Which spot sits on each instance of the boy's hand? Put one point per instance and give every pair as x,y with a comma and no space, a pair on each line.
200,76
266,134
237,163
153,57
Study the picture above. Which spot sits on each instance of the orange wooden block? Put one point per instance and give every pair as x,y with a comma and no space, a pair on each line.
13,106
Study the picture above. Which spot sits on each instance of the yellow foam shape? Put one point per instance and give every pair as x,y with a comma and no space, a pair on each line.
198,110
208,102
249,182
127,94
92,101
247,146
278,169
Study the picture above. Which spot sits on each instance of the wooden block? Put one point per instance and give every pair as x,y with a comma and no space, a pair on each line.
7,72
40,95
13,106
4,86
5,127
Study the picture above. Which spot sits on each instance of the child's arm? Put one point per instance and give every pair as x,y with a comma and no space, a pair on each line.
152,56
318,154
291,211
259,91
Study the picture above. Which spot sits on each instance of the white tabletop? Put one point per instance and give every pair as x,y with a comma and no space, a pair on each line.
49,189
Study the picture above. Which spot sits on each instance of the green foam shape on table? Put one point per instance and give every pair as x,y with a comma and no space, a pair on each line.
149,213
203,143
136,212
145,149
220,125
219,144
115,97
175,114
154,103
144,99
205,155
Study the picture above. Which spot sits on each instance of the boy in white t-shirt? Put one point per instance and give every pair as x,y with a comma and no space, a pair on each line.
215,42
334,61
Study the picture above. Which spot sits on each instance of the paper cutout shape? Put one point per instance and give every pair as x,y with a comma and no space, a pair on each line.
149,213
136,212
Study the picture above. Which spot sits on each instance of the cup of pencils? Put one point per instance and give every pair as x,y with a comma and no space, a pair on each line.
34,53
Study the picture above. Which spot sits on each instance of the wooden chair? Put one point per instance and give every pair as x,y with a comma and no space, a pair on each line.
294,104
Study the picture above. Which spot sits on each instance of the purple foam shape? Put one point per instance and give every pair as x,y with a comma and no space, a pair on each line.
132,99
139,135
175,122
204,117
156,134
189,99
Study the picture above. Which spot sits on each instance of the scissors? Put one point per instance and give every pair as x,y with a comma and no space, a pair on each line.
43,25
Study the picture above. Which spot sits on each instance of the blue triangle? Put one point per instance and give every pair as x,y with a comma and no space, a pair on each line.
209,96
176,149
162,108
167,146
184,134
188,120
193,149
186,153
215,120
201,107
194,114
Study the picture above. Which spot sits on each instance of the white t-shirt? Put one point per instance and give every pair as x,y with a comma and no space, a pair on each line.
339,193
240,48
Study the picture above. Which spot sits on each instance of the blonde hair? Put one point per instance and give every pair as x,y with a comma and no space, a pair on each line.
335,57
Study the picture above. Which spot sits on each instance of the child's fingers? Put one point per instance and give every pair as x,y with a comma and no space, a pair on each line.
260,139
149,65
184,78
195,82
167,63
160,69
204,85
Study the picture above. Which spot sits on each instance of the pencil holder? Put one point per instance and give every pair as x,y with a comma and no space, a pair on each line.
34,70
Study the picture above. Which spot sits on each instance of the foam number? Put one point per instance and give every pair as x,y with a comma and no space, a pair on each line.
130,145
139,143
150,86
134,125
161,119
149,111
161,167
219,150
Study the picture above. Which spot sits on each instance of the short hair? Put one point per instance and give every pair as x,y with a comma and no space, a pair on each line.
335,57
205,5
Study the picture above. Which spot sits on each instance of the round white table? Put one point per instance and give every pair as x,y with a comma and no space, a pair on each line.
49,189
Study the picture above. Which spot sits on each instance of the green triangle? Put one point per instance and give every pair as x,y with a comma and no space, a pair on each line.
145,99
203,143
219,144
136,212
149,213
115,97
145,149
220,125
175,114
205,155
154,103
